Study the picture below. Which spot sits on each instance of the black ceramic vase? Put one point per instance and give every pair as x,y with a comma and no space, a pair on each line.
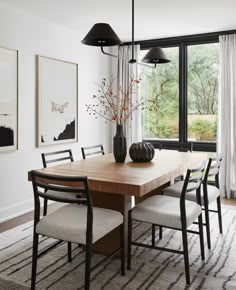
141,152
119,144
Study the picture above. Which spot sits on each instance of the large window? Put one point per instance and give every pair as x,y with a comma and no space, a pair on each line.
186,90
162,85
203,69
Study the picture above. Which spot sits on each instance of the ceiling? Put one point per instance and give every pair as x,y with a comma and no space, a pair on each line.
153,18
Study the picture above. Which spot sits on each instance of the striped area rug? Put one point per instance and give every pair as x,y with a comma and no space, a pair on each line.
151,269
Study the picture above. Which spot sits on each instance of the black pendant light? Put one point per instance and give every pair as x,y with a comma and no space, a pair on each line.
155,55
101,34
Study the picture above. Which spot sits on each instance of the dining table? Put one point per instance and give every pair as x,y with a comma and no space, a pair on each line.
119,186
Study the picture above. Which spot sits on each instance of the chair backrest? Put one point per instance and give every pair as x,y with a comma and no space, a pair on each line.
193,181
180,146
212,170
92,151
44,183
57,157
156,144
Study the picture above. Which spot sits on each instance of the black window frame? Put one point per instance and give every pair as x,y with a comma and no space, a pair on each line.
183,42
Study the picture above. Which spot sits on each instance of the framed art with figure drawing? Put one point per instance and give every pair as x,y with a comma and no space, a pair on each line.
57,101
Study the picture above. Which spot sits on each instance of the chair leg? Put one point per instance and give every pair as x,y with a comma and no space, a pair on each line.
186,259
122,249
129,241
69,251
219,214
34,260
45,206
201,237
87,267
160,227
160,232
208,230
153,234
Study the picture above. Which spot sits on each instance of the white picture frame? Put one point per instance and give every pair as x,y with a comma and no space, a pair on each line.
57,101
8,99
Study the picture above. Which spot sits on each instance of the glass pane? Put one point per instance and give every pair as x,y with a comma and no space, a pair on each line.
203,70
162,85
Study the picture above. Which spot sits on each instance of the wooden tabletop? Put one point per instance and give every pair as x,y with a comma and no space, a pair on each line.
130,178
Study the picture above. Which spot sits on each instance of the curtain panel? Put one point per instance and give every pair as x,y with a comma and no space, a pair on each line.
226,143
126,71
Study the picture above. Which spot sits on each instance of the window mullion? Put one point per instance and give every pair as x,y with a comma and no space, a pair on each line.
182,92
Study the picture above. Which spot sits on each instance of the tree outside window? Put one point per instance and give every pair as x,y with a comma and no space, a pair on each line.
161,84
203,70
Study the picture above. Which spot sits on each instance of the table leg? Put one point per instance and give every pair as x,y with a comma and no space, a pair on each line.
121,203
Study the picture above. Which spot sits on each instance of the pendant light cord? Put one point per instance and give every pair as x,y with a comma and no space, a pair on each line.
132,60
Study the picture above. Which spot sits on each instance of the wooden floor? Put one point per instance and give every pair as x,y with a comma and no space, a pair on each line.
228,201
29,216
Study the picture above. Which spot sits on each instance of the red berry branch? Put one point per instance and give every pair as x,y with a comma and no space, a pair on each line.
118,107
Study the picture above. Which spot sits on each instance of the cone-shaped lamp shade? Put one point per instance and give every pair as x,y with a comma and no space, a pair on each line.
155,55
101,34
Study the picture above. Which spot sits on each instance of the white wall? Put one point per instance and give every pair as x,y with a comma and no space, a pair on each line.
31,36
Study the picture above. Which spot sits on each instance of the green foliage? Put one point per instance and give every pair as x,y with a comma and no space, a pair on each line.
203,129
203,69
214,129
161,85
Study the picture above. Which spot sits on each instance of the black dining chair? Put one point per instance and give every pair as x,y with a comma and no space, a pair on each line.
76,222
55,157
210,193
173,213
179,146
92,151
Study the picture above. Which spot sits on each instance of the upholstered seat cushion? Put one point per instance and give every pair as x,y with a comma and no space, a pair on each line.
165,211
175,190
69,223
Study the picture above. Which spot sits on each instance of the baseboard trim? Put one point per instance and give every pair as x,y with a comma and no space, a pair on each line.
16,210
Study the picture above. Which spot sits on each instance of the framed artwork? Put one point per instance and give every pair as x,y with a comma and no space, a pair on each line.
57,101
8,99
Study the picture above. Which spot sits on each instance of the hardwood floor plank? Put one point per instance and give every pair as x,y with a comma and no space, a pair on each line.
228,201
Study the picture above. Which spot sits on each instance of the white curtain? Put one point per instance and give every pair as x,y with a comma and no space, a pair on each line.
125,71
227,115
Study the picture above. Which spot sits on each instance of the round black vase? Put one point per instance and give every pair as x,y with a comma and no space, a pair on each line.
141,152
119,145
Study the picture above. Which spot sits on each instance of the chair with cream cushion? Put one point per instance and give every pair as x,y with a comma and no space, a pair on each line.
55,157
210,192
76,222
173,213
181,147
94,150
